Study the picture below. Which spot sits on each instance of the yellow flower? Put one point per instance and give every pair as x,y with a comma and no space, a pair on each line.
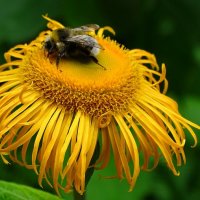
60,113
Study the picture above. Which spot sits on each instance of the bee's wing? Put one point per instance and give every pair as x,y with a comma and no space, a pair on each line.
90,27
84,41
86,28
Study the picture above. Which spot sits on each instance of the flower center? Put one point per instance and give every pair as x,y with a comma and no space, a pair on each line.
83,84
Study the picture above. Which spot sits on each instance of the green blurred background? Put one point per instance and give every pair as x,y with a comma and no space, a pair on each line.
168,28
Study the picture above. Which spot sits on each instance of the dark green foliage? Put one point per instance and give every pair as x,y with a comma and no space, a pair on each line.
168,28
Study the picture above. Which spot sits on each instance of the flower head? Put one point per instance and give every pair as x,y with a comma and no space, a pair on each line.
60,112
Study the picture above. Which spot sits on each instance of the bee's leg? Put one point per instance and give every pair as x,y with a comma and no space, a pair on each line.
57,60
97,62
60,55
48,54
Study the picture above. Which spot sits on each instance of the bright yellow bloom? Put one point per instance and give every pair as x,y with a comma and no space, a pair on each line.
59,113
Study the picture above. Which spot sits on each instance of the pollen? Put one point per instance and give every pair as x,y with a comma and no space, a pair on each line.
85,86
63,113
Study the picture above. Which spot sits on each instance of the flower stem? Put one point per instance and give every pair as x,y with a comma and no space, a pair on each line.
78,196
89,173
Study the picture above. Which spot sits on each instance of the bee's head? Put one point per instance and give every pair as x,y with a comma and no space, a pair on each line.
60,34
49,44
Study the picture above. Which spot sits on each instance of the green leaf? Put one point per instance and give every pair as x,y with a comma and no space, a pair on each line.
13,191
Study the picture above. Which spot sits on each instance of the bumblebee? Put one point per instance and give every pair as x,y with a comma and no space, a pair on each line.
73,43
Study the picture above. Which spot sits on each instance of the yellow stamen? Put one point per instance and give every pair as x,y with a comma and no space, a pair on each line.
62,112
